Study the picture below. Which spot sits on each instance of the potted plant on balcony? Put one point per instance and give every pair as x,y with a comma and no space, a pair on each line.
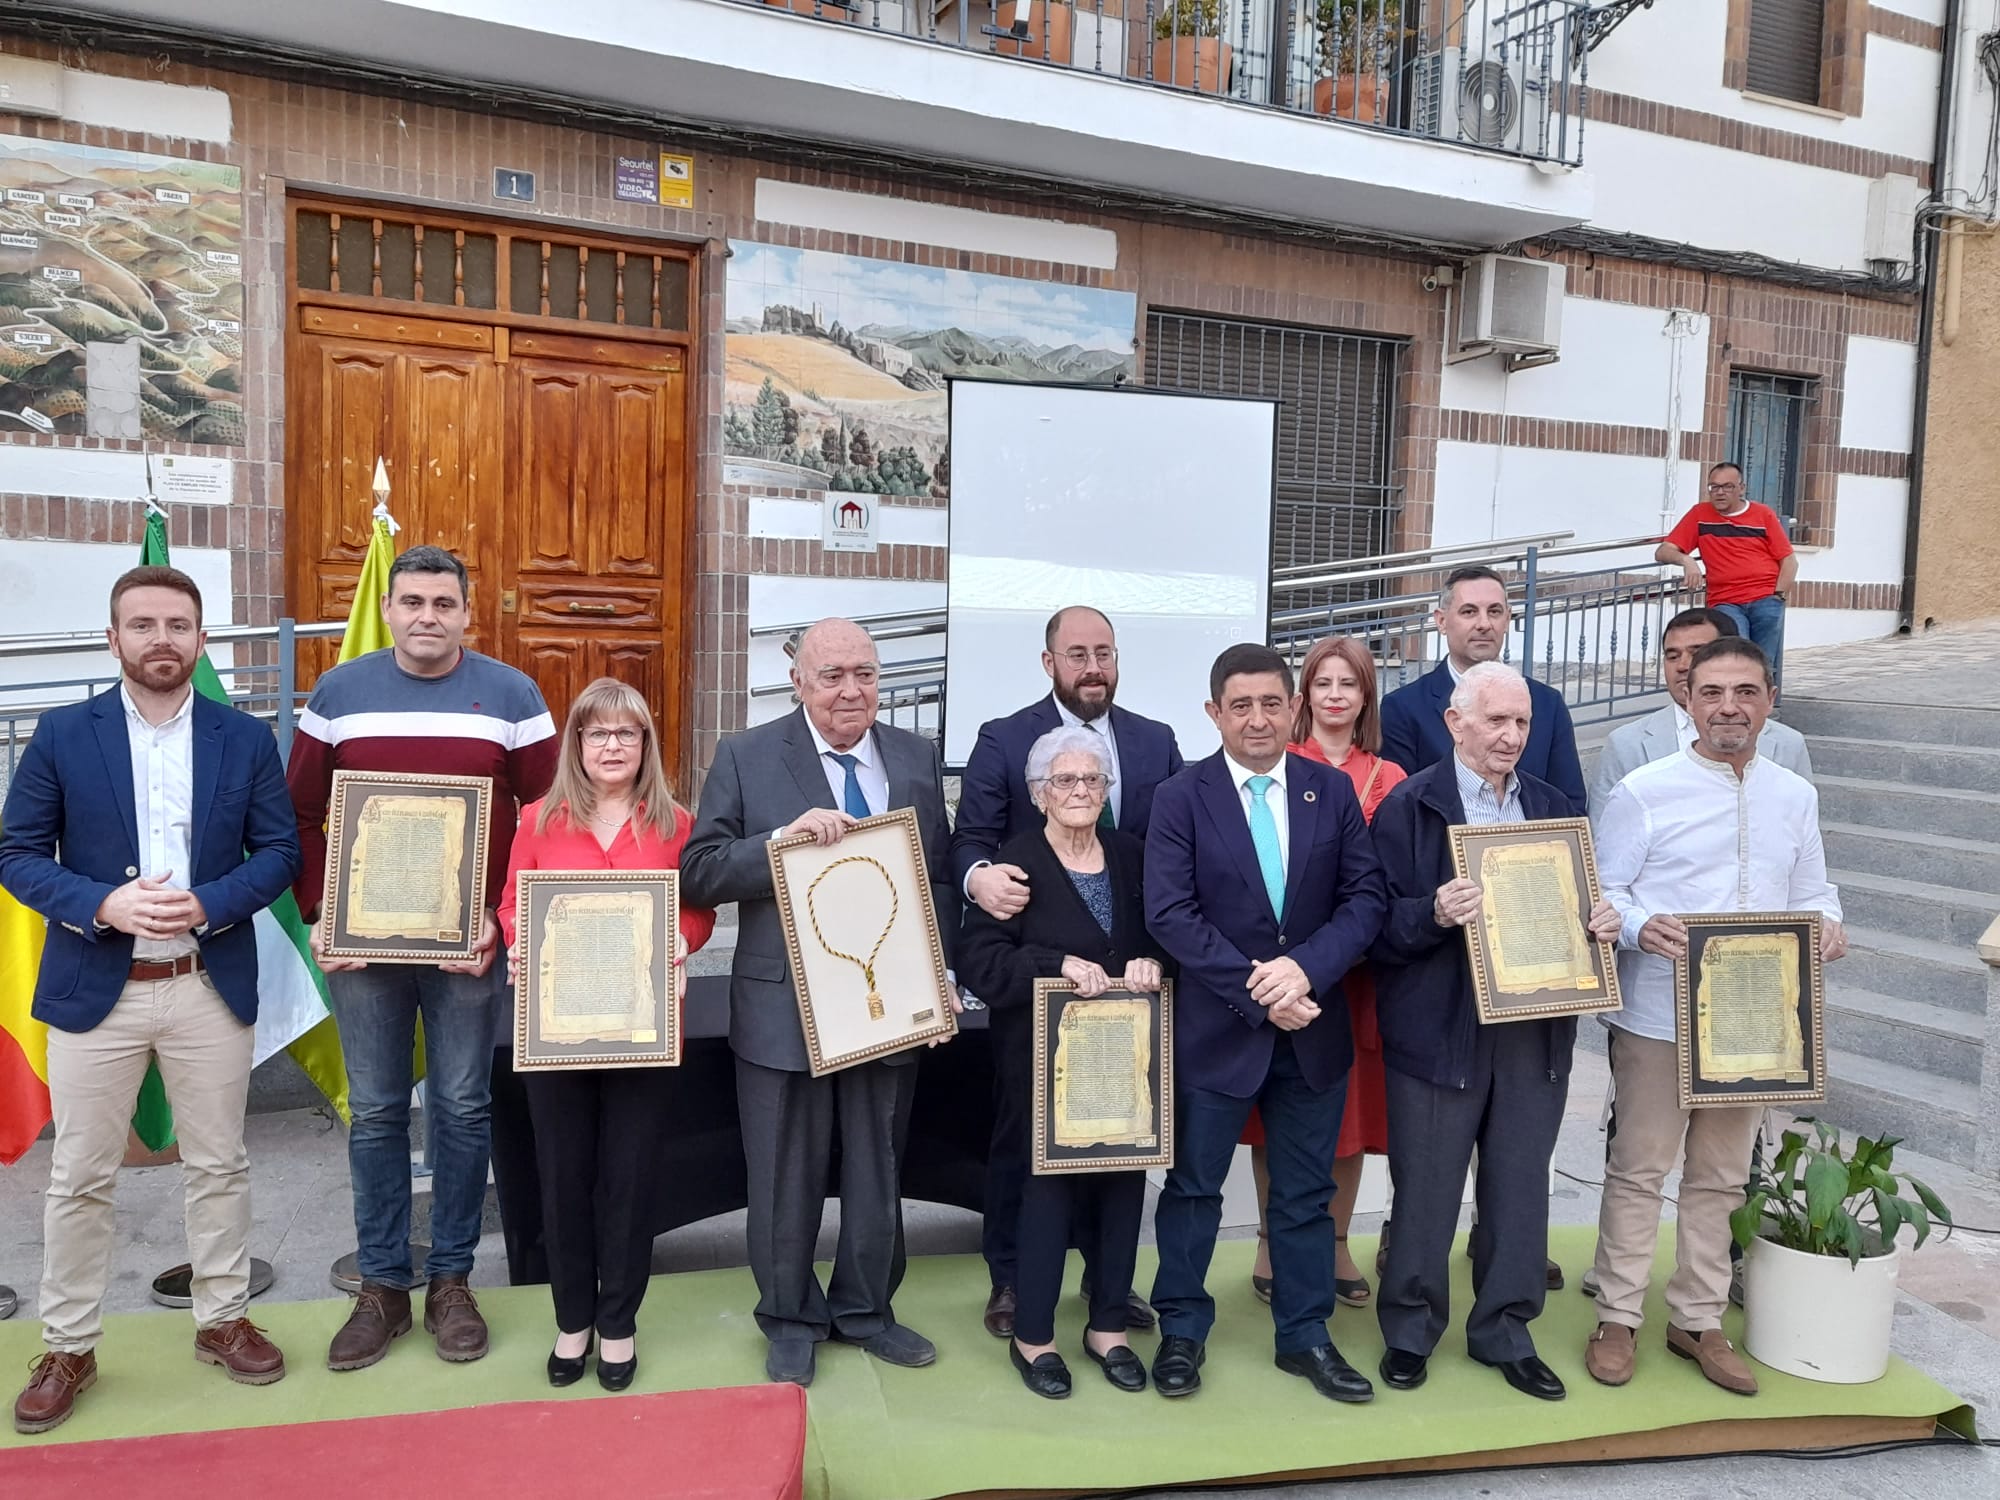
1358,40
1188,50
1040,28
1818,1231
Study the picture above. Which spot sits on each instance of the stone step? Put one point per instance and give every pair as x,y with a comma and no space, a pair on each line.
1915,908
1911,808
1973,768
1932,1039
1887,963
1866,1096
1898,723
1965,863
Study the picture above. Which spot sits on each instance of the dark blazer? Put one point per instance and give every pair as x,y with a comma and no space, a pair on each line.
1206,906
69,837
1423,980
993,801
759,781
1414,734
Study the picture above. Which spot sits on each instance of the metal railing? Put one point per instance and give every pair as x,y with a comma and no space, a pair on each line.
1500,75
911,690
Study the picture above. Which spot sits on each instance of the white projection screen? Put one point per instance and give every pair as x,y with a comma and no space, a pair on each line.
1153,506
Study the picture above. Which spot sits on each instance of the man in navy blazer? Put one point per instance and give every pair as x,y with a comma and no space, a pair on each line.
1080,654
1473,617
1262,884
149,825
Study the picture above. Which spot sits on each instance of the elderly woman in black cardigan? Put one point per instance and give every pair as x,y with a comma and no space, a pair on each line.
1085,922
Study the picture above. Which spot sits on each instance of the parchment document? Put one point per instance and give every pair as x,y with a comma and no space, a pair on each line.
1529,900
1747,1009
402,873
594,966
1103,1093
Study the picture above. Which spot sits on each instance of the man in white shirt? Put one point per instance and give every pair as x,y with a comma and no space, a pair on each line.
1670,730
1717,828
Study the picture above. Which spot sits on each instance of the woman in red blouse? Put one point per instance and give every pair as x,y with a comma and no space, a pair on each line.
607,809
1339,724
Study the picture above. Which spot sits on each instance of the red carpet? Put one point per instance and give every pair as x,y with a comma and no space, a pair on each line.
743,1443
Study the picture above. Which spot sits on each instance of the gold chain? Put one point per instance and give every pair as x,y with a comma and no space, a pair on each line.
876,1009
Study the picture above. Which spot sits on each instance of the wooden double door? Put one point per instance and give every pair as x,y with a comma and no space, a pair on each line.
554,464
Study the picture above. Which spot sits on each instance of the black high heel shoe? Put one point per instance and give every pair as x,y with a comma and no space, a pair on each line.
615,1377
564,1372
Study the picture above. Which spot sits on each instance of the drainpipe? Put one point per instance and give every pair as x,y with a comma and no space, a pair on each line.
1931,243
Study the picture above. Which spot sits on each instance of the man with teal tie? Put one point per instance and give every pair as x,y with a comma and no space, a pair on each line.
1262,885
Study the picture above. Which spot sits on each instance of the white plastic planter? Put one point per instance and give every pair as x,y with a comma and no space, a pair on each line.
1817,1317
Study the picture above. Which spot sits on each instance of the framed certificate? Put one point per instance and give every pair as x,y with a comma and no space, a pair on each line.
1530,946
1750,1010
594,969
861,930
1103,1079
405,867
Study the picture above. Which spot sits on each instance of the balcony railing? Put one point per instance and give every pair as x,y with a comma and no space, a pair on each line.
1505,76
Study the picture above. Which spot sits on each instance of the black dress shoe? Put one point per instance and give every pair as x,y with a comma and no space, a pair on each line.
564,1372
1177,1365
1404,1371
1332,1376
1000,1312
1530,1377
1047,1376
791,1361
617,1377
1121,1366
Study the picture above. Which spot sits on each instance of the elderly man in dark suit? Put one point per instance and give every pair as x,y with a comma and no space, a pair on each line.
1454,1084
816,771
1261,883
1080,654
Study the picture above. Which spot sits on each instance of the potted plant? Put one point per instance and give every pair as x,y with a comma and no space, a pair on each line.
1188,50
1818,1231
1358,40
1040,28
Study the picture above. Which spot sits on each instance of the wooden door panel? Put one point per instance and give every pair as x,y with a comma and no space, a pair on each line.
638,455
642,661
558,665
551,465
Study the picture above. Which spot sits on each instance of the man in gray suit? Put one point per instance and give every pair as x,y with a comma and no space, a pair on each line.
1669,729
816,771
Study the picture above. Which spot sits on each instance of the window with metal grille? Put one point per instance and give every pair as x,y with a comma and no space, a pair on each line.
1785,44
1336,425
1767,436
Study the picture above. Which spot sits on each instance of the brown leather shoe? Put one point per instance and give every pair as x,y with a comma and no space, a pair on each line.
1717,1357
381,1314
451,1314
54,1383
1610,1354
1000,1312
239,1346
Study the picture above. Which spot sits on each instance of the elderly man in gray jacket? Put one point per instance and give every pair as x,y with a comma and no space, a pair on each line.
1669,730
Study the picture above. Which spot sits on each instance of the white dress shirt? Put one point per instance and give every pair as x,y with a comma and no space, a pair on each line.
163,806
1685,835
874,778
1100,726
1683,726
1482,807
1276,797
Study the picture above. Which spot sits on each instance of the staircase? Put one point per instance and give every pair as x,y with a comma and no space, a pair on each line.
1910,811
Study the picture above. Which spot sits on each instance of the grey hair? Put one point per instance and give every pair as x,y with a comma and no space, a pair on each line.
1065,739
1466,694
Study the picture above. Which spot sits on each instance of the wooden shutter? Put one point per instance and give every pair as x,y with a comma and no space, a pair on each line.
1785,43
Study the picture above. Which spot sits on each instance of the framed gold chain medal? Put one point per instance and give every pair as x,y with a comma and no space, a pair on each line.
861,932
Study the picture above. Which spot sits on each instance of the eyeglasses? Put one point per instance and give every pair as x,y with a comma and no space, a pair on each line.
1726,484
1069,781
627,735
1103,656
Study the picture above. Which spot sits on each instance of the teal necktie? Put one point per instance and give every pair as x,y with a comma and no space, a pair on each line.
1264,835
851,795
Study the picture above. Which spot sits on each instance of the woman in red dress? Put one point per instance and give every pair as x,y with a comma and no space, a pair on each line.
1339,724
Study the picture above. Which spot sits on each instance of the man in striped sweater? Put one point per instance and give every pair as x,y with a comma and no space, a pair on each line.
426,705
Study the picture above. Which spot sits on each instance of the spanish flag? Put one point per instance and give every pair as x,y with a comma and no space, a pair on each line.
24,1041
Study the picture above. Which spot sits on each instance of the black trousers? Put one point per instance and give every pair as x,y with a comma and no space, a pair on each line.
1007,1168
1511,1109
597,1131
1101,1212
789,1121
516,1181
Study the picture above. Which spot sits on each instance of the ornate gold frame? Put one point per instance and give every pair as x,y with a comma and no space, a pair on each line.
1163,1098
472,873
1812,1002
1465,838
534,1056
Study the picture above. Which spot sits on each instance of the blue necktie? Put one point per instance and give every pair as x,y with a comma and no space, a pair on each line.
857,805
1264,835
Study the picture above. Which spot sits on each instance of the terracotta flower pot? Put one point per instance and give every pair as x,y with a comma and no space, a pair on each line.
1352,96
1047,24
1193,62
824,12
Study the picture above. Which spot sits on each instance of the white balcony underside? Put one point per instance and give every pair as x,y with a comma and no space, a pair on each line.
748,68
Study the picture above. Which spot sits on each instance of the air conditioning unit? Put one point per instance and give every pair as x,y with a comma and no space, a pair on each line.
1509,305
1497,96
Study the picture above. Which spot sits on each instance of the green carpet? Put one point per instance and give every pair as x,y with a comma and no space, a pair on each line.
966,1424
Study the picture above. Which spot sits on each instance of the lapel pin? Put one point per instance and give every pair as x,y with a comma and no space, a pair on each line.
1312,796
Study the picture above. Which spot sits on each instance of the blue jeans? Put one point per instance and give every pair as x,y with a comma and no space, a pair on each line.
1301,1130
376,1009
1763,621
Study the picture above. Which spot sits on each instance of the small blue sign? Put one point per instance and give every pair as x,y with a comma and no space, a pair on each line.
517,187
